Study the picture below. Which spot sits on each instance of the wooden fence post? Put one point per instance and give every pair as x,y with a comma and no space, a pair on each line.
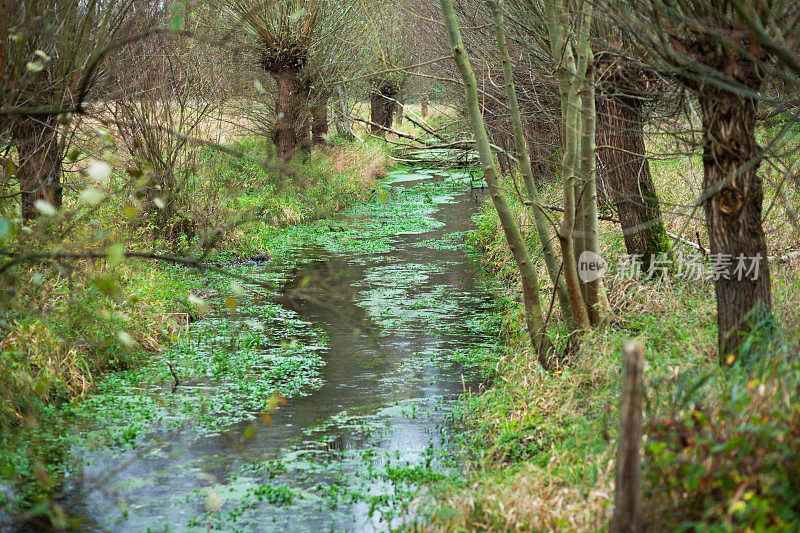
628,494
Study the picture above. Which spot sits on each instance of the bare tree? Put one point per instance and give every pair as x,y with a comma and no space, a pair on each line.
721,50
307,47
283,34
625,90
571,53
390,47
620,105
175,101
50,53
530,282
334,60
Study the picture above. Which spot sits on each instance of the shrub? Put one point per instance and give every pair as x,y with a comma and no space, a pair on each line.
727,456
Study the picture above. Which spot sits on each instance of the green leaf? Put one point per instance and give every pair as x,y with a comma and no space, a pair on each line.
115,254
296,15
105,285
100,171
125,337
45,207
91,196
237,289
177,19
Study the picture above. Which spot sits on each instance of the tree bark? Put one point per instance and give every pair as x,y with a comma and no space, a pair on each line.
570,76
40,157
530,280
424,105
524,161
382,106
593,290
566,230
620,133
319,122
734,195
291,127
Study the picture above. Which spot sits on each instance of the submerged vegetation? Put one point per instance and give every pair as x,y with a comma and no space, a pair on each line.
415,265
141,325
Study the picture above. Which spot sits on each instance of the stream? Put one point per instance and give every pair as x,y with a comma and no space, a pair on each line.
326,404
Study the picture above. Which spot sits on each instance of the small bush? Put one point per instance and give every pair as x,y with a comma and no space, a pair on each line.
731,459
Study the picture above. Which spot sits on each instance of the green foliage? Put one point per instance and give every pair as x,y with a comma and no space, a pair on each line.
247,363
725,455
81,330
721,444
79,326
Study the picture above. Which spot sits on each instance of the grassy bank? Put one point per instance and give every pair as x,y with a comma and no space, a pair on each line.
721,446
72,322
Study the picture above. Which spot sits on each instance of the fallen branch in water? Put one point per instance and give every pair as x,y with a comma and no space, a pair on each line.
61,256
424,127
388,130
174,376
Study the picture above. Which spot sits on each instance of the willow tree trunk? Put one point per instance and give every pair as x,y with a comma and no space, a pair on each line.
524,161
733,202
291,122
566,229
382,106
319,122
529,277
400,110
620,135
39,171
572,57
593,288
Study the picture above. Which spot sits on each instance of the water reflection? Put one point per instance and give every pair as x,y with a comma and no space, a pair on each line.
391,319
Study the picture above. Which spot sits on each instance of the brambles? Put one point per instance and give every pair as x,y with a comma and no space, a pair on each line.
731,458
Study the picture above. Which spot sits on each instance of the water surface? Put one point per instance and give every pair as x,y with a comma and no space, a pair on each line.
382,315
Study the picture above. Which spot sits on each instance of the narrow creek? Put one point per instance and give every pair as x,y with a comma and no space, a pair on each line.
379,323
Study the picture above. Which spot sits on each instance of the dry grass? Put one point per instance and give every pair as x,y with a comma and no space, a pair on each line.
507,495
73,333
366,164
50,357
532,500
